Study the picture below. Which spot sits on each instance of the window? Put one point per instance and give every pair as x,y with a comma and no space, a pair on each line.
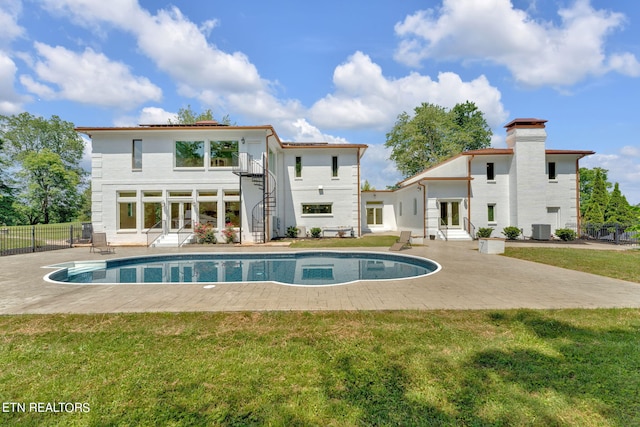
127,213
491,213
374,213
152,213
400,209
208,213
415,206
223,153
334,166
324,208
298,167
189,154
491,174
552,170
136,154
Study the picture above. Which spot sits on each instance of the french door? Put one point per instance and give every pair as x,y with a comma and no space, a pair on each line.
181,215
450,214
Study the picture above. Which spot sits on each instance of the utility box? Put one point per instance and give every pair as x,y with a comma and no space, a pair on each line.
541,231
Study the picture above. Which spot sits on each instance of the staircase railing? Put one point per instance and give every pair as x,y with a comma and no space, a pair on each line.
260,212
443,226
155,232
184,232
469,227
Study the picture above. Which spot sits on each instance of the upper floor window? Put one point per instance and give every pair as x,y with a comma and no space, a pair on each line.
334,166
552,170
136,154
491,173
189,154
223,153
298,167
317,208
491,212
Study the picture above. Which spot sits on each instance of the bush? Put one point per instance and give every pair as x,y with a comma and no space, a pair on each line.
484,232
229,233
566,234
292,232
205,233
315,232
511,233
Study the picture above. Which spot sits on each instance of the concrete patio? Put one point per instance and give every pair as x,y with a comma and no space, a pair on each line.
468,280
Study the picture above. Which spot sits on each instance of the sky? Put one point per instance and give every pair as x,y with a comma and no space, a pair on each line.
335,71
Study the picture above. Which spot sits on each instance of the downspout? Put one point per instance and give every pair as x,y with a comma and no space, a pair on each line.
359,197
469,193
424,209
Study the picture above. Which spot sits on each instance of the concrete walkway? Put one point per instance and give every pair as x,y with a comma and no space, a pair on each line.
468,280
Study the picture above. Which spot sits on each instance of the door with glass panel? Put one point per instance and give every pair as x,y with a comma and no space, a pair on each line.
181,215
450,214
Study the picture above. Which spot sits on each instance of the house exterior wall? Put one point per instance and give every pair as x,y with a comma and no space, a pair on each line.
317,188
486,192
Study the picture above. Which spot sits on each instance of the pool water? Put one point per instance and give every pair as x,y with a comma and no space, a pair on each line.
293,268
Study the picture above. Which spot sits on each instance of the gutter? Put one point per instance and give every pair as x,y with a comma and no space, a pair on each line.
424,209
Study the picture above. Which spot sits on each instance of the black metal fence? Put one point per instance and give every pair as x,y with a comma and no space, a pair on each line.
619,234
39,238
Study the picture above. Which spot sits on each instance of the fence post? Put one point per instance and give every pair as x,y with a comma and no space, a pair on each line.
71,236
33,238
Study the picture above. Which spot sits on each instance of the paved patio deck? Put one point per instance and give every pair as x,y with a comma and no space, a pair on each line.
468,280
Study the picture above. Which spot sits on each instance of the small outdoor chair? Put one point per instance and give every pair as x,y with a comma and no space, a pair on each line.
403,241
99,242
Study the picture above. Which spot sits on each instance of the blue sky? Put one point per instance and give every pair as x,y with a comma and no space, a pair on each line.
335,71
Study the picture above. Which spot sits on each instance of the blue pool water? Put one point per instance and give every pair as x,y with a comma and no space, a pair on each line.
294,268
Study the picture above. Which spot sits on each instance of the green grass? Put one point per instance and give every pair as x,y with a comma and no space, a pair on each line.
346,242
538,368
624,265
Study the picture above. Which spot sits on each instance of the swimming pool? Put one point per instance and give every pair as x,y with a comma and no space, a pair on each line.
288,268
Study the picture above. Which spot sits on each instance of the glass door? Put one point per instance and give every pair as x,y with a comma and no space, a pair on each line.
450,214
181,215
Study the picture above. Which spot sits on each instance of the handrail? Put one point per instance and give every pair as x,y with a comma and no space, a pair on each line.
156,233
181,232
443,225
469,227
245,164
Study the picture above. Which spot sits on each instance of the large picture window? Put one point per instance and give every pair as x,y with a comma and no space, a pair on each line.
190,154
316,208
127,215
374,213
222,153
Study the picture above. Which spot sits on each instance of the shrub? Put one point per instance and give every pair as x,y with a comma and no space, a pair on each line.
511,232
315,232
484,232
229,233
205,233
292,232
566,234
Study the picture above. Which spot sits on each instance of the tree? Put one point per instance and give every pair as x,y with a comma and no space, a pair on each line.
618,210
587,181
52,191
45,155
186,116
599,195
366,186
434,134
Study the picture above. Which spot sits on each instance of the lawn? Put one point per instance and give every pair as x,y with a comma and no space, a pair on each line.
520,367
623,265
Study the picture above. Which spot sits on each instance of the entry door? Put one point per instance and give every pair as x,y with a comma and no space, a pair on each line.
181,215
450,214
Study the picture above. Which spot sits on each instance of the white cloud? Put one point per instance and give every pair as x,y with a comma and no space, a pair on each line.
536,53
88,77
10,101
9,28
148,115
364,97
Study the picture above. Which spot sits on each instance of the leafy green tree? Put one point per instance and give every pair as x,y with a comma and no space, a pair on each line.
587,181
366,186
618,210
44,154
600,197
434,134
186,116
593,214
52,190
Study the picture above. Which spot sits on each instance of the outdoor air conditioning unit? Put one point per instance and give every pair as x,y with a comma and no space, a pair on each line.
541,231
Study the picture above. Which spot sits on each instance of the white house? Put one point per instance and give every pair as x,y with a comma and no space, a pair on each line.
156,182
524,185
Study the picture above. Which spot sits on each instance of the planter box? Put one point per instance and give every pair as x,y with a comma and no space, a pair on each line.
491,245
